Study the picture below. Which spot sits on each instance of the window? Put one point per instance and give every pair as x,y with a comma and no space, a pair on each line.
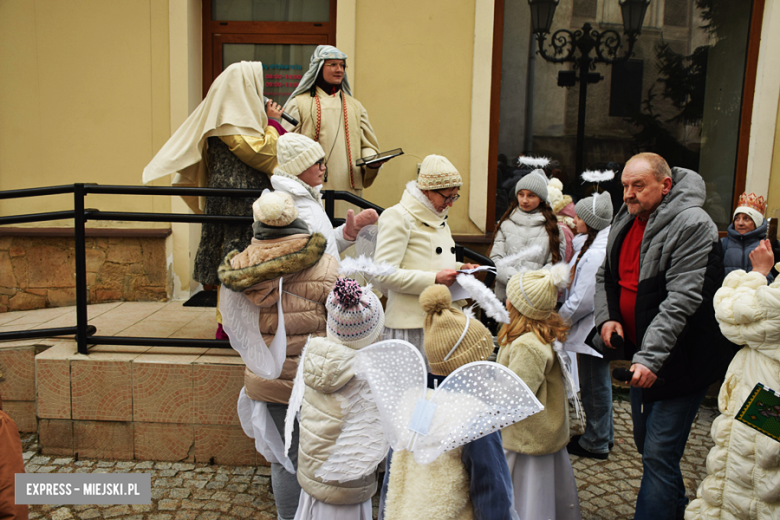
281,33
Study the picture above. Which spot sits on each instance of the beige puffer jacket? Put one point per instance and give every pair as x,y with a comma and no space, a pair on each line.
331,393
744,465
309,274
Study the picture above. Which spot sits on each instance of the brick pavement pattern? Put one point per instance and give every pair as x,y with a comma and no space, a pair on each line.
183,491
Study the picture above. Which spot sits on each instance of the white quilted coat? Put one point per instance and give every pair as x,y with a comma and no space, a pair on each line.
521,230
744,465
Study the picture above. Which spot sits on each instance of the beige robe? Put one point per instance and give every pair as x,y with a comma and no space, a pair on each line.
362,139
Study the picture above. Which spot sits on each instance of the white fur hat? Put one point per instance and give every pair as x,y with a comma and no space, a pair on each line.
296,153
274,209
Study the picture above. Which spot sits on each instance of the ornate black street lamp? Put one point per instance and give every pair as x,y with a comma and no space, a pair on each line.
564,43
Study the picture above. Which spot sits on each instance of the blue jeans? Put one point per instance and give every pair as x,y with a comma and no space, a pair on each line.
596,388
661,430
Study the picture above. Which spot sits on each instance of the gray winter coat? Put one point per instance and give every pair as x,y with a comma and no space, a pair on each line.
680,269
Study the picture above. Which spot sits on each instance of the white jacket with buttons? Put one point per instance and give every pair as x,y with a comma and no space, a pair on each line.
418,242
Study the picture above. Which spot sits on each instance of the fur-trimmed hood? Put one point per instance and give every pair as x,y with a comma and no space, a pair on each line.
290,258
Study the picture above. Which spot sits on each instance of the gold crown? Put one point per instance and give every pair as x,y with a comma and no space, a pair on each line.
751,200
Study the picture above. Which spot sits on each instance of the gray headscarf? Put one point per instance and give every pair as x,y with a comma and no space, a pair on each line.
321,53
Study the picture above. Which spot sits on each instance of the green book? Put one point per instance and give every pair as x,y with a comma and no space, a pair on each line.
761,411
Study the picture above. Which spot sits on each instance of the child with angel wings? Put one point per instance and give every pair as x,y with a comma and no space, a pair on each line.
446,461
341,441
542,476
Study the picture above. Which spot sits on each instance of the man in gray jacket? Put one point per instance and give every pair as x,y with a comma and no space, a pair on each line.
655,290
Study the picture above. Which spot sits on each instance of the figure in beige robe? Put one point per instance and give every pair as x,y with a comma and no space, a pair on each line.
327,113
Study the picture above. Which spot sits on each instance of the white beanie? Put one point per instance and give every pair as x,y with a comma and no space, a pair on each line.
438,173
296,153
274,208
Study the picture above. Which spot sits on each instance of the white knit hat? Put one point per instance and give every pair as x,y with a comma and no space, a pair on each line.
296,153
274,209
535,293
437,173
355,315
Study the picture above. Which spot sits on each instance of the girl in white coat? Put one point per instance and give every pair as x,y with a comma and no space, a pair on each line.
594,215
529,221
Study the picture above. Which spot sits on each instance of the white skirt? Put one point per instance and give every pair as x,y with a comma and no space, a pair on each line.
544,486
310,508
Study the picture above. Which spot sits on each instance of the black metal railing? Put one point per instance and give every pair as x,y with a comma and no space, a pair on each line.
84,333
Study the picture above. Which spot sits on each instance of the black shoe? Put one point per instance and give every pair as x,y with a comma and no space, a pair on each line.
576,438
574,448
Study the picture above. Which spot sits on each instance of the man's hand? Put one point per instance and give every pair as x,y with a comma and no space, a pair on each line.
643,376
354,223
446,277
762,257
273,110
608,328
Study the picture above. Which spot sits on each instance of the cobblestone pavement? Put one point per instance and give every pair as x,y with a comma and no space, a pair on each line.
182,491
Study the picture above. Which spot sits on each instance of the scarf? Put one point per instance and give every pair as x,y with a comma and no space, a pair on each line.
265,232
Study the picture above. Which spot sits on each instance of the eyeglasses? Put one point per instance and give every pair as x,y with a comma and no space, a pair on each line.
321,164
447,200
336,65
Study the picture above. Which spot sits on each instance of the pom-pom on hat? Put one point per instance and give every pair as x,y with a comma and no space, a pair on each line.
535,293
596,210
452,339
535,182
275,209
438,173
753,206
296,153
355,315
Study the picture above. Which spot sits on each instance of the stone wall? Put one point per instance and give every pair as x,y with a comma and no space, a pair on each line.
39,271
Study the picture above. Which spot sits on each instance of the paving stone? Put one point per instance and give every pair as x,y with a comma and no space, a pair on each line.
62,513
106,464
179,493
115,511
187,515
264,470
40,461
145,465
167,504
60,462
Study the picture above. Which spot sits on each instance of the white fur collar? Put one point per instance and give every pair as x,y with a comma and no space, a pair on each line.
313,191
414,191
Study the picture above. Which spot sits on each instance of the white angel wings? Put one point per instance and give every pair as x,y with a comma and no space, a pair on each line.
360,446
475,400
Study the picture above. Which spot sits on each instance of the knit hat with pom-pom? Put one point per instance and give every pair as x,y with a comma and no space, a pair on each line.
452,339
355,315
535,293
274,209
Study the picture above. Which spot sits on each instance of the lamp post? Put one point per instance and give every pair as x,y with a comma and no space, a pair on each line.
564,43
